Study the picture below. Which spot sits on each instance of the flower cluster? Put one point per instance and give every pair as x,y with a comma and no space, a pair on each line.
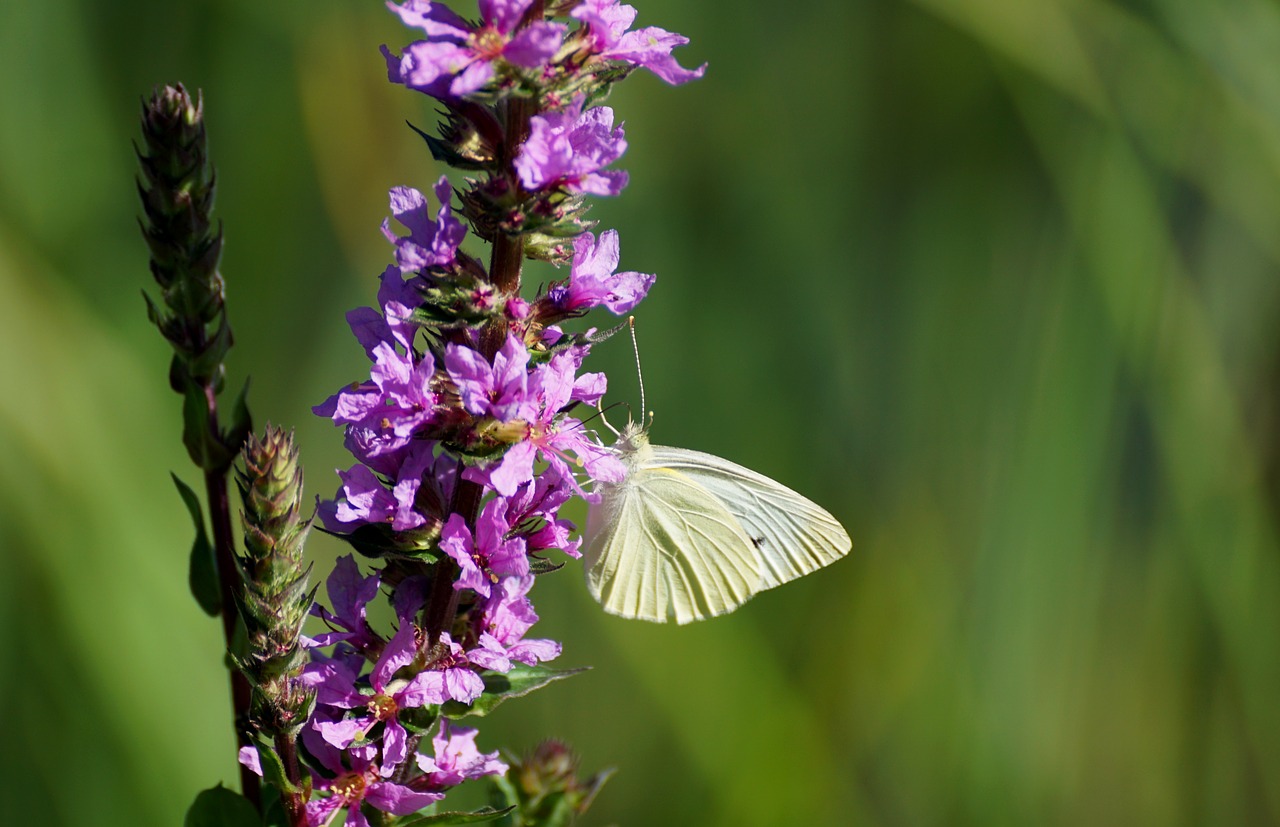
465,441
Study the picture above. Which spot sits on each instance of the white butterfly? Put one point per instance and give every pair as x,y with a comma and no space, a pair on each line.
691,535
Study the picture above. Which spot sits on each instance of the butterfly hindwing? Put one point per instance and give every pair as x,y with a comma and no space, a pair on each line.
792,535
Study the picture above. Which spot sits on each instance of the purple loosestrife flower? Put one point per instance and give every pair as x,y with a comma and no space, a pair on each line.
650,48
456,758
490,556
429,243
335,684
398,299
532,513
508,614
456,60
500,389
359,780
593,282
397,401
349,594
569,148
534,401
364,498
450,675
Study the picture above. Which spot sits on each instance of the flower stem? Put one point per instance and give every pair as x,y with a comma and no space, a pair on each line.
228,576
294,803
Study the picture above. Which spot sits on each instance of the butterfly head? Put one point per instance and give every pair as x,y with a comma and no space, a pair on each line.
633,437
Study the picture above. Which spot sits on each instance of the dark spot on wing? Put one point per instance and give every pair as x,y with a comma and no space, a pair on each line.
757,541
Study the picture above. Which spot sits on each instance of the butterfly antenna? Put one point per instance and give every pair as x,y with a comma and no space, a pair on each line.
631,320
600,413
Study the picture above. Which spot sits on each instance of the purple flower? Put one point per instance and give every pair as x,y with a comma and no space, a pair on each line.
508,614
335,684
451,676
364,499
355,782
592,280
550,436
397,401
490,556
349,594
429,243
456,758
532,512
650,48
457,60
498,389
569,149
398,299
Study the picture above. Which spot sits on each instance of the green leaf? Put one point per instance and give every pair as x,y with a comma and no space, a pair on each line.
220,807
273,770
521,680
205,452
202,568
483,814
241,423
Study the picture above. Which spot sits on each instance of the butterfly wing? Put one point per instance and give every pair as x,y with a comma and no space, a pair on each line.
791,534
660,545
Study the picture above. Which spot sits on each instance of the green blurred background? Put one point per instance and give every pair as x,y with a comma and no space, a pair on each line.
993,280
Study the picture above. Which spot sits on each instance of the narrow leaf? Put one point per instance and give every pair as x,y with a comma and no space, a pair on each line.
481,815
241,423
521,680
202,568
273,770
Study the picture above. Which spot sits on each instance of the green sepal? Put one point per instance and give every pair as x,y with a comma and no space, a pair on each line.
443,152
207,362
520,681
538,565
220,807
378,541
273,772
481,815
202,567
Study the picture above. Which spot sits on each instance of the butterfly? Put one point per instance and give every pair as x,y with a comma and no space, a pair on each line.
690,535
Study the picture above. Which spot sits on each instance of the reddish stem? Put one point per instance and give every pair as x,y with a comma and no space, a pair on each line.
215,481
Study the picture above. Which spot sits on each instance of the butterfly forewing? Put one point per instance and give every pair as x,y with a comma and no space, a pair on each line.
667,547
792,535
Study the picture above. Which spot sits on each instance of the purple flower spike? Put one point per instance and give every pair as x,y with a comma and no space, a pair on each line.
429,243
569,149
650,48
592,280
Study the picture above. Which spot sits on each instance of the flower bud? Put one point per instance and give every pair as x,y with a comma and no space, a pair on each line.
274,599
